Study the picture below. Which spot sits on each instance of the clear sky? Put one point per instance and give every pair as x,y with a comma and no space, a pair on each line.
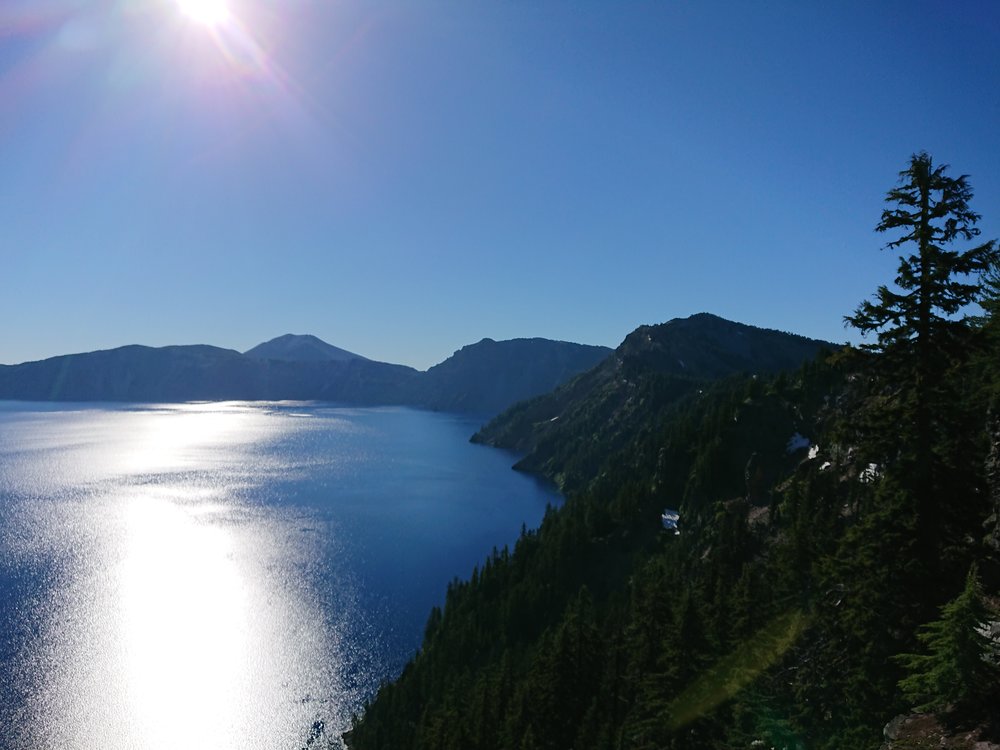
404,178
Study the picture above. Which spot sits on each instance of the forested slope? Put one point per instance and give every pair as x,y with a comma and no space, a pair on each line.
792,585
566,434
835,566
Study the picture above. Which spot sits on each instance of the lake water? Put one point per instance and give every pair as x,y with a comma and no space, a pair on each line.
228,575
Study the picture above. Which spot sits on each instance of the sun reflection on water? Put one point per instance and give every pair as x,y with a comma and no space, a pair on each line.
224,576
184,626
178,611
187,437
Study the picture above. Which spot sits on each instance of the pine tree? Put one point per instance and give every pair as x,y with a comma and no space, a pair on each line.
922,340
918,333
933,211
954,674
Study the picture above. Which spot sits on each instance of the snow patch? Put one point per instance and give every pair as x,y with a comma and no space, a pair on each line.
670,518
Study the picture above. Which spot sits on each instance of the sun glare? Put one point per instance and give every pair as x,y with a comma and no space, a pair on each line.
209,13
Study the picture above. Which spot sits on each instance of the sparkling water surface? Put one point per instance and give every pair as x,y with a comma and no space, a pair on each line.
228,575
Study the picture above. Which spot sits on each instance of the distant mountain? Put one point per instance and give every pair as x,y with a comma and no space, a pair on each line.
300,348
653,366
200,373
489,376
483,378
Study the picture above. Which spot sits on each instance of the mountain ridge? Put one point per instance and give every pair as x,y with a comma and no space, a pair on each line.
483,373
194,372
304,368
534,375
654,365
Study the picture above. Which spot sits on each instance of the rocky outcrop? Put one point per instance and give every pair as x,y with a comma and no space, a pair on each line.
926,731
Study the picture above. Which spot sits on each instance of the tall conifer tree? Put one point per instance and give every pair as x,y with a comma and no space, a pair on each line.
921,335
932,210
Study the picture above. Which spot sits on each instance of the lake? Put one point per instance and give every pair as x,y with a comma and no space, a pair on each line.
228,575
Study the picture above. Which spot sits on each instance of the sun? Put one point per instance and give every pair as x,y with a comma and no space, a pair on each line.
210,13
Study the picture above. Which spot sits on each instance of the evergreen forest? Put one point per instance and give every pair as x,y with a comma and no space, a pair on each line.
831,560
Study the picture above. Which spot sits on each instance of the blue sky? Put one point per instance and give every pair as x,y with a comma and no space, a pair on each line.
404,178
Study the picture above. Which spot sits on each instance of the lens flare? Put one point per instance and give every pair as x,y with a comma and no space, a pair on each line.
209,13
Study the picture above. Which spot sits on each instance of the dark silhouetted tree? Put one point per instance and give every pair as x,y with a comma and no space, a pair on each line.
923,341
935,282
